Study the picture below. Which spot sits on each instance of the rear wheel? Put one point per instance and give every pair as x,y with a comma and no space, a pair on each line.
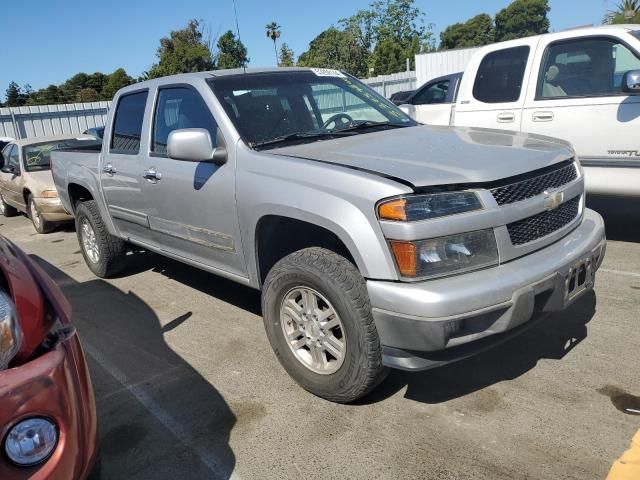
103,253
319,323
6,209
39,223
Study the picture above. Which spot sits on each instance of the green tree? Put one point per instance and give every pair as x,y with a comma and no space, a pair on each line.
627,11
87,95
231,52
286,56
183,51
47,96
273,32
114,82
338,49
73,85
13,95
522,18
475,32
96,81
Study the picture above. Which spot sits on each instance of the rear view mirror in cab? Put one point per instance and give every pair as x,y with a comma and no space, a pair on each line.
194,145
631,82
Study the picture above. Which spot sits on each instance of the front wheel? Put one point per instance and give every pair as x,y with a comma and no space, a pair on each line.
319,323
103,253
39,223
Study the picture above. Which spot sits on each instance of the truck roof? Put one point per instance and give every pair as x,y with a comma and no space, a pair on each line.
185,77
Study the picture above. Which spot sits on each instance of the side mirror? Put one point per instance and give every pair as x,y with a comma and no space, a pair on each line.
631,82
8,168
194,145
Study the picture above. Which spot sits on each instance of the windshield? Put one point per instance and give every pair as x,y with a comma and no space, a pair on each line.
313,104
38,156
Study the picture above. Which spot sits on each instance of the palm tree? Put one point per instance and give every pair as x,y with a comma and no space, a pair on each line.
626,9
273,32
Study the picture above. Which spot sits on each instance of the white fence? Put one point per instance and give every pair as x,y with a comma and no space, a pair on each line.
387,85
437,64
46,120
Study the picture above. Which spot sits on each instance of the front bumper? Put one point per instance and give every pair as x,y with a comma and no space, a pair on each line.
55,385
457,312
52,210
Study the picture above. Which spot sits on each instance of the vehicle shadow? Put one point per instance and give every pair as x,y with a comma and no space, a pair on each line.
552,338
158,417
621,216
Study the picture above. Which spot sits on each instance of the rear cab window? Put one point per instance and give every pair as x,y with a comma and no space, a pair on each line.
500,75
127,125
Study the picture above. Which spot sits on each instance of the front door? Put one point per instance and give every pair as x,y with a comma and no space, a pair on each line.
579,98
192,208
10,177
433,103
122,165
494,98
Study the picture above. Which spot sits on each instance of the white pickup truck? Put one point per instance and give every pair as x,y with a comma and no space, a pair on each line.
580,85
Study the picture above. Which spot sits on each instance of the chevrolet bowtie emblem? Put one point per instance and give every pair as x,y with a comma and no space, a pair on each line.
553,200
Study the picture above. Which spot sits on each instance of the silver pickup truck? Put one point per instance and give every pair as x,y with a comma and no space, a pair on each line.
376,242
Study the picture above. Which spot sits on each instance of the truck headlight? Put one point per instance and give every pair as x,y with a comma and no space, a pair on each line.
441,256
10,331
424,207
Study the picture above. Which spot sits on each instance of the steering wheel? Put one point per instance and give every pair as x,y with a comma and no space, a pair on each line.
339,120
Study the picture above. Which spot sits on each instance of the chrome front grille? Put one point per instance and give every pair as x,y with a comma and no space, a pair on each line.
544,223
530,187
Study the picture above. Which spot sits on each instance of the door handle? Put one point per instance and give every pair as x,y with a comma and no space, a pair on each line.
109,169
152,175
542,116
506,117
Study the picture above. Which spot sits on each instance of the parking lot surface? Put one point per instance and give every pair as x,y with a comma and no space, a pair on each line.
187,386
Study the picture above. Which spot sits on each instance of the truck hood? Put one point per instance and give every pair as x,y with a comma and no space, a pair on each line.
429,155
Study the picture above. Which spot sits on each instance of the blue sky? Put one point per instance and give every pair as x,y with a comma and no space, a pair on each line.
47,41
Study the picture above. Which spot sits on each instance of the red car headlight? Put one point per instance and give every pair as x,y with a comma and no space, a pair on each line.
10,331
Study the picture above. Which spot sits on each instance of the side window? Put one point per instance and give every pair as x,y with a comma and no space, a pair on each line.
180,107
436,93
584,68
500,75
127,126
14,158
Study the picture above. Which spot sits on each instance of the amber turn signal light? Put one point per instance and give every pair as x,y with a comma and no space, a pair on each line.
406,258
393,210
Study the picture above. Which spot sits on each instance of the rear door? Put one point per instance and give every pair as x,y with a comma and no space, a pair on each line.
578,97
192,207
122,167
434,101
495,97
10,177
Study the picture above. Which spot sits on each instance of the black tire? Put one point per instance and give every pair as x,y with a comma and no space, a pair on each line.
39,223
6,209
341,284
111,250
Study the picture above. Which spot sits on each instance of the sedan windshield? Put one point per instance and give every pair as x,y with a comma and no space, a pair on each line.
308,105
38,156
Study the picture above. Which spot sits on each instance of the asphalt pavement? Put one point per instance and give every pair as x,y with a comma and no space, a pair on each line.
187,386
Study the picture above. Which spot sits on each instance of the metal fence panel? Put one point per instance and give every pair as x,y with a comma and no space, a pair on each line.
437,64
46,120
387,85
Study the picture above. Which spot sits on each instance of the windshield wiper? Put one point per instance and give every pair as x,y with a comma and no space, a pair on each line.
365,124
295,136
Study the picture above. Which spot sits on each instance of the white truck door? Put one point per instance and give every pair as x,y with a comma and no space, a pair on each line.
431,103
577,96
492,89
121,166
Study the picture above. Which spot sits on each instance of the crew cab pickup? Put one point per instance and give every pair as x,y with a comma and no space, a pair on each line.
580,85
376,242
